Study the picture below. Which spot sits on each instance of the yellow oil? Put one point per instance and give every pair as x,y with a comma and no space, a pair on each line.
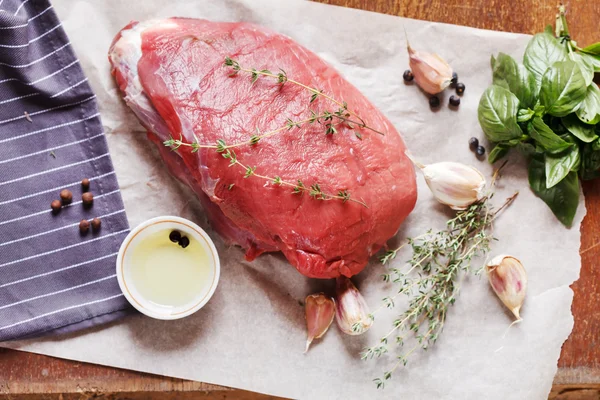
167,274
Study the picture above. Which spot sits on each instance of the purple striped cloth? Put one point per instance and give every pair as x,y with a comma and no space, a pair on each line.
52,278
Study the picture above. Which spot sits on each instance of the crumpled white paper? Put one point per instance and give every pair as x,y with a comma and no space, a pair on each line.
251,335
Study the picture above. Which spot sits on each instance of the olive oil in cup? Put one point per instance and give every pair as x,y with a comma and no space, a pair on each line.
163,275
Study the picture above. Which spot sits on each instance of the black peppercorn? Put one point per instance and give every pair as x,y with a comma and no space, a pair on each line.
454,80
87,199
473,143
56,206
84,226
184,242
66,196
175,236
460,88
96,224
85,184
454,101
480,150
408,75
434,102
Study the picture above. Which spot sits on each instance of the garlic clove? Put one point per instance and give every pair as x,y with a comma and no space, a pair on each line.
453,184
352,311
509,281
431,72
319,311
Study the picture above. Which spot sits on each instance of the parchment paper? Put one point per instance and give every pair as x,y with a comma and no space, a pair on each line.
251,334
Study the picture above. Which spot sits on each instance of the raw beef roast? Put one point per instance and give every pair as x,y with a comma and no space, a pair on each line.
172,75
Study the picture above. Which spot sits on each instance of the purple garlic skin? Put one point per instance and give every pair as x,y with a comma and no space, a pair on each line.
319,311
431,72
352,311
508,279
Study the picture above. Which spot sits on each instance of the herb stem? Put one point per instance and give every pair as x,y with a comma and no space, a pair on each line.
443,260
299,187
254,139
282,78
563,19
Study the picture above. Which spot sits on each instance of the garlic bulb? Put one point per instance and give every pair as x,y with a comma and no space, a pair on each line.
431,72
319,312
454,184
352,312
509,281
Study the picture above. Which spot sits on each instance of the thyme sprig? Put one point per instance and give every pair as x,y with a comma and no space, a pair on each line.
297,187
431,281
326,118
282,78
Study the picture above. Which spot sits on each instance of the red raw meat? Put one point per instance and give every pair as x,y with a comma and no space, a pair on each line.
172,75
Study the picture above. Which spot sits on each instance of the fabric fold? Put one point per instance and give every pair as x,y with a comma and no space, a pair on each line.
52,278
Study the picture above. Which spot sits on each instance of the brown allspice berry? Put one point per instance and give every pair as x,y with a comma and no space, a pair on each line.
96,224
87,199
85,184
84,226
56,206
66,196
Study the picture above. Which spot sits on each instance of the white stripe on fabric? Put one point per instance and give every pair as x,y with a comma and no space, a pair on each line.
59,291
49,109
21,6
43,78
54,189
38,60
41,13
18,98
53,170
59,229
48,128
58,270
47,211
18,46
62,248
50,149
89,303
69,88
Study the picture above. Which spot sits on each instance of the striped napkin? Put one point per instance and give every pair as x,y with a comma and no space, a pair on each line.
52,278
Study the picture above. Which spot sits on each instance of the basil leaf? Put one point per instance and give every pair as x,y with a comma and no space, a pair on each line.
558,167
589,110
497,114
515,77
539,109
586,67
563,88
542,51
590,163
525,115
498,152
592,49
545,137
563,198
593,60
581,131
527,149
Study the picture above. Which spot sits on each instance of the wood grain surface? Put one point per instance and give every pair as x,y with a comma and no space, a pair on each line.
30,376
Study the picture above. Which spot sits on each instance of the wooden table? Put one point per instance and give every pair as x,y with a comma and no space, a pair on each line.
29,376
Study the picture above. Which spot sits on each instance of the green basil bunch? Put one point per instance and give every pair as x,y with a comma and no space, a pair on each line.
548,107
